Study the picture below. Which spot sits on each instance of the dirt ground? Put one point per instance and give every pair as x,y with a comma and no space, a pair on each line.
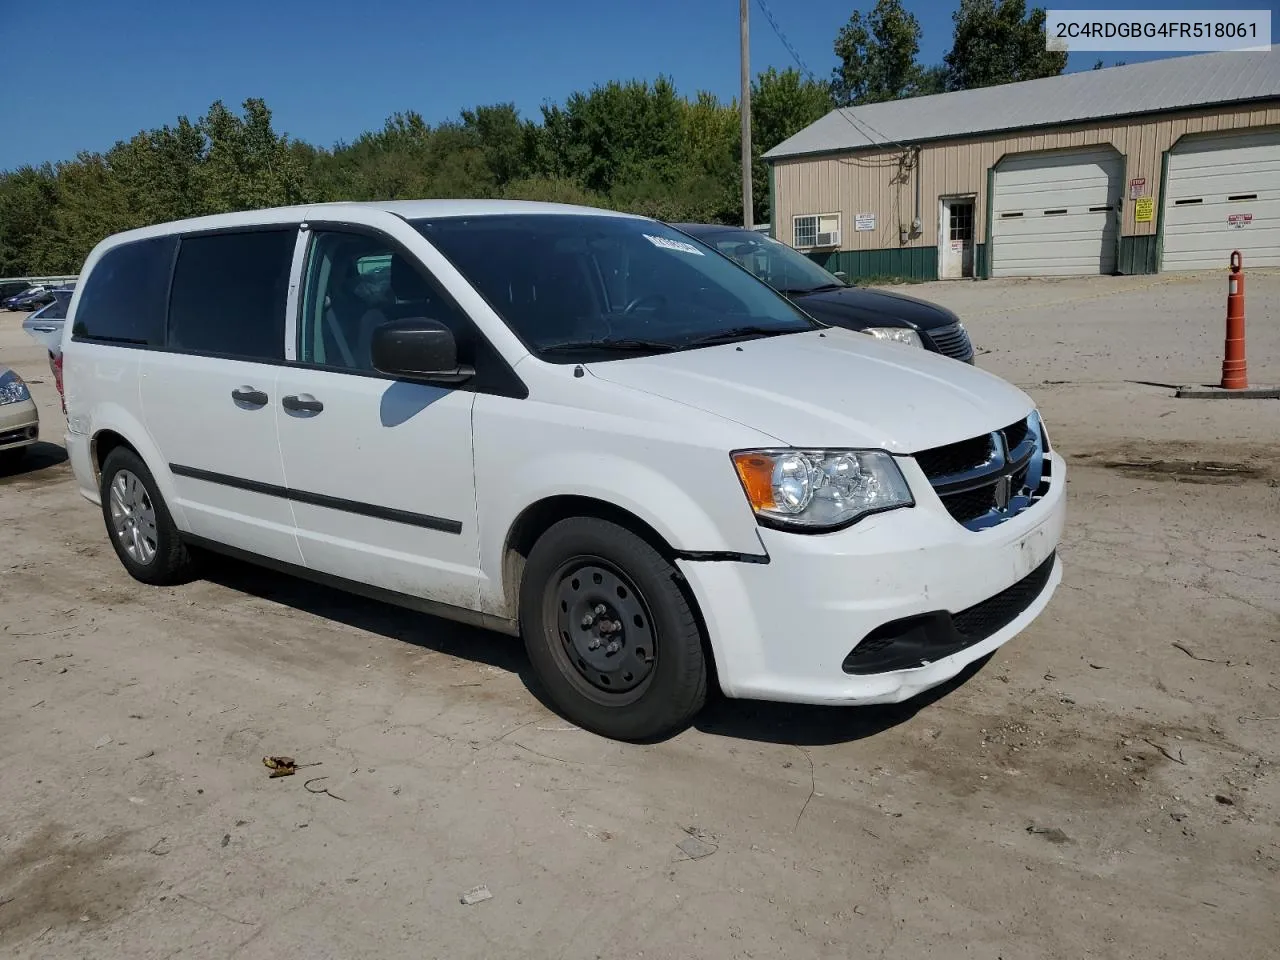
1106,786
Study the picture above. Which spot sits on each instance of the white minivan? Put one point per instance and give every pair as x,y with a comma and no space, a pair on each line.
578,426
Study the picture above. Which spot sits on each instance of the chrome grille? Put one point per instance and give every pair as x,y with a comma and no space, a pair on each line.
984,481
952,341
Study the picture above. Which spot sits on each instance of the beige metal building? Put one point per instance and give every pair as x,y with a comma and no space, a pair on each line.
1164,165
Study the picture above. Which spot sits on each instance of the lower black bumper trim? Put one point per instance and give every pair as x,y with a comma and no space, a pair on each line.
928,637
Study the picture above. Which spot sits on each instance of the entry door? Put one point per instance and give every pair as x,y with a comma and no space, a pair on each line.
209,401
1223,194
1055,214
379,470
956,238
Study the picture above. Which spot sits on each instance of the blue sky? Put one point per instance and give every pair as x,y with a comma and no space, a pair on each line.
93,72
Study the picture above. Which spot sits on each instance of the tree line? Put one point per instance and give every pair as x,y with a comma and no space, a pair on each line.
636,145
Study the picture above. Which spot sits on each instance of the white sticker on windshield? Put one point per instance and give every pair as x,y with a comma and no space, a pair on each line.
666,244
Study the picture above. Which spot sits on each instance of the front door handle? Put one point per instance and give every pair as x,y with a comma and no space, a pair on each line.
250,396
302,403
43,328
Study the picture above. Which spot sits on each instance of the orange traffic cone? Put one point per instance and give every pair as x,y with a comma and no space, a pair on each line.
1234,374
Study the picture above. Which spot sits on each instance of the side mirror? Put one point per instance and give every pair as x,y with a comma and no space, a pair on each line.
418,349
841,275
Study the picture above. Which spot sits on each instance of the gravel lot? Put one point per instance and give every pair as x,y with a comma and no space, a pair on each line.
1106,786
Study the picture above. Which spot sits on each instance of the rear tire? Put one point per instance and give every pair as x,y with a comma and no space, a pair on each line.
141,529
610,634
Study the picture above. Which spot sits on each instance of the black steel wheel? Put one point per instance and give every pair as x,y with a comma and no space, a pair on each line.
604,626
610,633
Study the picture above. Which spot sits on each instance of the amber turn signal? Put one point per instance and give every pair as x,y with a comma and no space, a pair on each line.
756,473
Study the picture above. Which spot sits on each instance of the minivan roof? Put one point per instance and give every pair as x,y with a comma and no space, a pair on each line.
408,209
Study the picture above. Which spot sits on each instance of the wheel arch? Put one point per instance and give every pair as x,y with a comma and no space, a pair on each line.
115,427
537,518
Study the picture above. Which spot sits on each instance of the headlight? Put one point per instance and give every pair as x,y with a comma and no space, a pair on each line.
820,489
13,389
896,335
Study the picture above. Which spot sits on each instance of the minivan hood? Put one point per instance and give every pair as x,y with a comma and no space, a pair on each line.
834,388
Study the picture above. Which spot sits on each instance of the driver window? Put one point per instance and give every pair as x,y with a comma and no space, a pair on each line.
354,284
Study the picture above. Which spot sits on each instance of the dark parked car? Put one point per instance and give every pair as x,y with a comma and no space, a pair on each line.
827,297
11,288
30,299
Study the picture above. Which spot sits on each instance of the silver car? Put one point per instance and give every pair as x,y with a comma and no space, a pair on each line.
19,420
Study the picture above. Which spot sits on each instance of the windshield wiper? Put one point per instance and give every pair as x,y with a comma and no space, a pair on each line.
737,333
626,344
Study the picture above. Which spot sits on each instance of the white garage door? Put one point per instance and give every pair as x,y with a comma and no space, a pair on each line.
1223,194
1055,214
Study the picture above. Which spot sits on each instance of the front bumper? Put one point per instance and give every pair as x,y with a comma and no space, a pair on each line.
783,630
19,424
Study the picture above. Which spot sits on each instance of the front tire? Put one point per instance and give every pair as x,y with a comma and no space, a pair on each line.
611,635
141,529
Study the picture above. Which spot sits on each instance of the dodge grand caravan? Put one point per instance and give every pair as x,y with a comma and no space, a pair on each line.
576,426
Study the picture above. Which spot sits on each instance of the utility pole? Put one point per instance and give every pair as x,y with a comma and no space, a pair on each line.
745,100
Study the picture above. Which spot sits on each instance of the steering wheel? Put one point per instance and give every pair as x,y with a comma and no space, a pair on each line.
655,298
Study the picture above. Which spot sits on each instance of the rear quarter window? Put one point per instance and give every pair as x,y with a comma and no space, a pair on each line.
123,300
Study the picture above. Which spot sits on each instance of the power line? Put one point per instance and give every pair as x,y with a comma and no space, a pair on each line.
870,133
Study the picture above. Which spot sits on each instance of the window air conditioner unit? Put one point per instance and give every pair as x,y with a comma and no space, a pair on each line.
827,239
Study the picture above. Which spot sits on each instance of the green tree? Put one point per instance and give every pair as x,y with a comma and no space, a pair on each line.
456,164
502,139
932,80
389,164
247,165
633,145
28,198
877,53
553,190
622,132
999,41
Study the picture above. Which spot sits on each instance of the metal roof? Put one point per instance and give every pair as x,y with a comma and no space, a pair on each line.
1157,85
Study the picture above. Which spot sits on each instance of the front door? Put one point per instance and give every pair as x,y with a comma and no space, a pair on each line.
379,470
209,400
956,239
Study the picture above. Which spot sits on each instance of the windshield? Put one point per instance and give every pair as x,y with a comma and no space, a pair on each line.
782,267
571,284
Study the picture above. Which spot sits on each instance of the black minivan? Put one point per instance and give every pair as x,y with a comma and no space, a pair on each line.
827,297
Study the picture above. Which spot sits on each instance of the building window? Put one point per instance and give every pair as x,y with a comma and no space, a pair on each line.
816,230
962,222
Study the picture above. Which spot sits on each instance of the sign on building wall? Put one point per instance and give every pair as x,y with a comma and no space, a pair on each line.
1144,210
1238,221
864,221
1137,188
